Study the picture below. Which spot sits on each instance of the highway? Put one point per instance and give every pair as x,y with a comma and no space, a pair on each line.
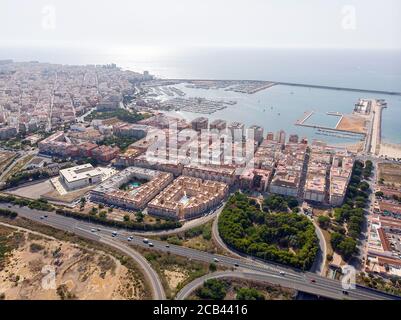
288,277
187,225
185,292
71,225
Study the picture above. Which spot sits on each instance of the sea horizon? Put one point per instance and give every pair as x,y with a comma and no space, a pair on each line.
354,68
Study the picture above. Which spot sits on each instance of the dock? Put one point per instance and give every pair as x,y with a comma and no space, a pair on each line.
307,115
376,127
323,129
314,86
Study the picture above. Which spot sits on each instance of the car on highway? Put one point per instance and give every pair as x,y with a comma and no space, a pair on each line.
312,280
42,217
98,229
46,216
167,246
130,238
93,230
150,244
236,265
146,240
9,206
282,273
345,292
114,234
215,260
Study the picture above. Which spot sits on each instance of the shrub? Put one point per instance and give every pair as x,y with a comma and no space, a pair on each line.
324,222
249,294
131,225
8,213
213,289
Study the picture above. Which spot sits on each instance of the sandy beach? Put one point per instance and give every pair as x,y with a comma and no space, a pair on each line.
390,150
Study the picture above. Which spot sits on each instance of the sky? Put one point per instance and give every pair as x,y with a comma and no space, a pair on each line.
121,24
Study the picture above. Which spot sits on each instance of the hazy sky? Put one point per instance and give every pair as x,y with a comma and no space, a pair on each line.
175,23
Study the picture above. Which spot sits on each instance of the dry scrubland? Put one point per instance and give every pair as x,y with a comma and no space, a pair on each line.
390,173
175,272
81,272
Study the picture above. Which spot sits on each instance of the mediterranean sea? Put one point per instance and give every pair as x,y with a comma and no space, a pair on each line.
274,108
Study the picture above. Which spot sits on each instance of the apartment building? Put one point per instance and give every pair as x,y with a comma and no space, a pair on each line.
214,173
340,176
132,188
105,153
188,198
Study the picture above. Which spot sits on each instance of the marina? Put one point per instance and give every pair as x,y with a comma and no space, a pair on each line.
282,106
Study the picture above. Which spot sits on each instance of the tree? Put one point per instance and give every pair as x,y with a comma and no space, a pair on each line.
268,236
324,221
126,218
275,203
379,194
336,239
213,289
103,214
139,216
249,294
364,186
347,248
82,202
292,202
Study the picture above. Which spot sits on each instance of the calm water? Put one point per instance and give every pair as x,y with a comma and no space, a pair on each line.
289,104
377,69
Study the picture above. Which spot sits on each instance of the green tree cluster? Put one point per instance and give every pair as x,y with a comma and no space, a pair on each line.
286,238
213,289
249,294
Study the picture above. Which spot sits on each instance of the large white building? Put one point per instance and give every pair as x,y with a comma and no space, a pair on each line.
80,176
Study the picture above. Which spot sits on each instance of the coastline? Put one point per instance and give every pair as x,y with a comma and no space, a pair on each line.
390,150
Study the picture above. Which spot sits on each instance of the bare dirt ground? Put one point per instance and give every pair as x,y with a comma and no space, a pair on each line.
54,195
31,260
5,159
352,123
33,191
390,172
175,276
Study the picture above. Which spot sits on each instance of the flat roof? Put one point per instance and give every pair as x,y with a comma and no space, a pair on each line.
80,172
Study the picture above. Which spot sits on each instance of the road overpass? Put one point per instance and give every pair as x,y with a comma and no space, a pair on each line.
292,278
